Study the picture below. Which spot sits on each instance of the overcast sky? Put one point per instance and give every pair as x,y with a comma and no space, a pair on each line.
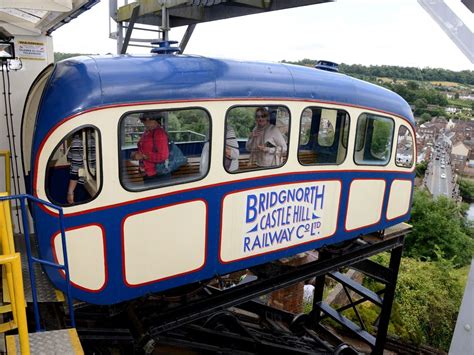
368,32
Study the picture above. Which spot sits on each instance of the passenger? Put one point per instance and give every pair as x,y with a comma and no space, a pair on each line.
266,143
75,157
153,149
231,160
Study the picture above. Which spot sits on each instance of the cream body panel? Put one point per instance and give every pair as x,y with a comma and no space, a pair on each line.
365,203
164,242
399,198
106,120
264,220
86,256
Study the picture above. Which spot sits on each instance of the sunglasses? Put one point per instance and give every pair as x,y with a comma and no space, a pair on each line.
260,116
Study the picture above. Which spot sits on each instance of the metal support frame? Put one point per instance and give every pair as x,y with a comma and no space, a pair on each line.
207,317
388,277
187,35
220,300
128,34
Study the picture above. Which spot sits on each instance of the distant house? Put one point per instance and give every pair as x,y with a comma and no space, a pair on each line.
427,131
467,97
459,156
451,109
463,130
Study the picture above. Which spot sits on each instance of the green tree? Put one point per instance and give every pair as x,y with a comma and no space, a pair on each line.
242,119
427,301
425,117
466,188
439,223
420,168
382,133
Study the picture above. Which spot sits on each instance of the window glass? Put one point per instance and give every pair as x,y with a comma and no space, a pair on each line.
73,175
373,140
323,136
163,147
404,148
256,137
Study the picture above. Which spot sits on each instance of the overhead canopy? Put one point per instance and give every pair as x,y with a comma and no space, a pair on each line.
189,12
35,17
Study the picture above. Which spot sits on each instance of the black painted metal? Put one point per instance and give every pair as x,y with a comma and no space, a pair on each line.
384,319
234,296
358,288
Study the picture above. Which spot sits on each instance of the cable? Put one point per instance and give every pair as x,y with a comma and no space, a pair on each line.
11,133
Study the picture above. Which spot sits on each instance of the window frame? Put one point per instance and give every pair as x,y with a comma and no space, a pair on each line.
238,171
155,187
99,164
412,148
365,138
342,131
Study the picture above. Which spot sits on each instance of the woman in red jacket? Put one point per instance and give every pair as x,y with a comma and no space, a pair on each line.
152,150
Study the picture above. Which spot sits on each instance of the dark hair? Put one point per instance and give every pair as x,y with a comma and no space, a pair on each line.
151,115
264,112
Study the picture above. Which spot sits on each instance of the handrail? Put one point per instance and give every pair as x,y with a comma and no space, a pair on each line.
6,154
31,259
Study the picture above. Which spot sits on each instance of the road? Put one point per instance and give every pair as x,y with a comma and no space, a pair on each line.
439,178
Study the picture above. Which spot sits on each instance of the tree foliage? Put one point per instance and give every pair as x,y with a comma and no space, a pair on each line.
466,188
427,300
407,73
439,223
420,168
58,56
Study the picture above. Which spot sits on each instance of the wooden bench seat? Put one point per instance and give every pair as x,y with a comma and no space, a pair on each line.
131,172
307,157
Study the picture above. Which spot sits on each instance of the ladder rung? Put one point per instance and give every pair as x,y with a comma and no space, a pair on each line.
354,328
358,288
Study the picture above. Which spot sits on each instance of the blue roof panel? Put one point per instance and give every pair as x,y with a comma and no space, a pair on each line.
84,83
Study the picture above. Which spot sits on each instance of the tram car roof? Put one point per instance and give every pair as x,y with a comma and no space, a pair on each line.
84,83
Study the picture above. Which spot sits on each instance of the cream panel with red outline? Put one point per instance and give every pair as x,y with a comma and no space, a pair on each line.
86,256
399,199
265,220
164,242
364,207
112,192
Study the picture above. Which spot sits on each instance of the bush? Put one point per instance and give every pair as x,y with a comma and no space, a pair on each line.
439,223
466,188
427,300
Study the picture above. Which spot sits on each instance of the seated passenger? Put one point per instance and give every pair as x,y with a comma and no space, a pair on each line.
153,149
231,160
266,143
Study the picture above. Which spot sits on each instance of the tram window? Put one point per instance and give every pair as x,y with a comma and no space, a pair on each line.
404,157
73,175
323,136
374,137
256,138
163,147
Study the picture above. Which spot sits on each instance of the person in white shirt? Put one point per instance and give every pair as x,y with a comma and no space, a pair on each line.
266,143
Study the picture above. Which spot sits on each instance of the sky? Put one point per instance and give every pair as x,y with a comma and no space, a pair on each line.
368,32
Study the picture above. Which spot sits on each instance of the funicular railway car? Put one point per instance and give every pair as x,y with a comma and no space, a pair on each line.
335,176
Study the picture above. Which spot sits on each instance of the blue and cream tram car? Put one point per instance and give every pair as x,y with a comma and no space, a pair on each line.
347,167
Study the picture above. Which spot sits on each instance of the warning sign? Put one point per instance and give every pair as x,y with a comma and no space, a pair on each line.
31,50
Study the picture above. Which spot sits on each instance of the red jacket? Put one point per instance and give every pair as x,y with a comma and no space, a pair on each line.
154,144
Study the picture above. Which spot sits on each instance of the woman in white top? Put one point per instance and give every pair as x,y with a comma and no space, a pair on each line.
266,143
